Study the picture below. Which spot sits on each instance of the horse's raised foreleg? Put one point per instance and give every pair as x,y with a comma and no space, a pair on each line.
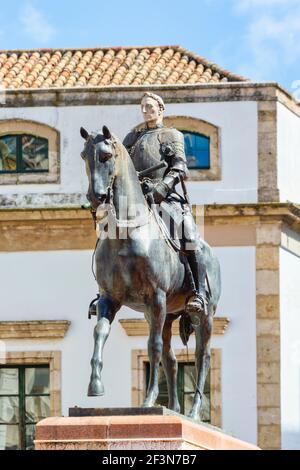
202,325
156,318
170,363
106,309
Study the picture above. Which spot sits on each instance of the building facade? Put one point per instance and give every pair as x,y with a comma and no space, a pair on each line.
242,139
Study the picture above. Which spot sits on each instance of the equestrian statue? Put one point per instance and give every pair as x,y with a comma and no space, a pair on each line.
164,270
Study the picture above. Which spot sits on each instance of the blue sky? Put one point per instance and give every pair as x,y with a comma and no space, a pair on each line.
256,38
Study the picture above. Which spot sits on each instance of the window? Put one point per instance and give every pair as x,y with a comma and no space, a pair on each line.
186,388
23,154
202,146
29,152
24,400
197,150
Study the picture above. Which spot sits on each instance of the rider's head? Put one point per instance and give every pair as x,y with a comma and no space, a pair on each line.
153,109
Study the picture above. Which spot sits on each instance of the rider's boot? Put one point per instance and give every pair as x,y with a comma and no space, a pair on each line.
198,302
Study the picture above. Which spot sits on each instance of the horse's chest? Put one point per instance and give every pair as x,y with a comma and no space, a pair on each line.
125,270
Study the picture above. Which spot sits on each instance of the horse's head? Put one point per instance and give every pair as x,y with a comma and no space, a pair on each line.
98,154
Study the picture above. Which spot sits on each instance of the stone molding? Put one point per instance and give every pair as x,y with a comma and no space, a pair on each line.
20,126
139,326
43,329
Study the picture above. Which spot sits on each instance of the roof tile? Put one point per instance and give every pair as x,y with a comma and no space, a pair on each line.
105,67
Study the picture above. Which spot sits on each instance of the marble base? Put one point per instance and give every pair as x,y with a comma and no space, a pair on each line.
132,432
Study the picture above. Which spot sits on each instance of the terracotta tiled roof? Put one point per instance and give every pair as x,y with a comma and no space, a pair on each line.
122,66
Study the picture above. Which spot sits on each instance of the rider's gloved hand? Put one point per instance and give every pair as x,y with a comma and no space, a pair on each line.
160,192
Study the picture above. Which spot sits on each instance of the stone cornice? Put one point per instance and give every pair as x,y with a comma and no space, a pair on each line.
278,210
287,213
72,228
43,329
121,95
139,326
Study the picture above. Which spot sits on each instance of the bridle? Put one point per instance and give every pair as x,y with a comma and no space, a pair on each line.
110,208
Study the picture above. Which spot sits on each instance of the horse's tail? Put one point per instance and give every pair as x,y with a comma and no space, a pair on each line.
185,328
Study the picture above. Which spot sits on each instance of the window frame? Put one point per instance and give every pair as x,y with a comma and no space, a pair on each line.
138,379
33,359
19,155
22,395
197,134
37,129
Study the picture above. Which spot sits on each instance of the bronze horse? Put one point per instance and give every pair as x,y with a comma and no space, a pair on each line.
141,270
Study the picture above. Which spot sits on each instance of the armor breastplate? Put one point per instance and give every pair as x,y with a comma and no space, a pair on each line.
147,152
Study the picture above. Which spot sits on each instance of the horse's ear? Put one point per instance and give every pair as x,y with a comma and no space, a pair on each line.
84,133
106,132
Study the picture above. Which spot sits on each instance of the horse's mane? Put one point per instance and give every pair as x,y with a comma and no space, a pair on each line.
126,175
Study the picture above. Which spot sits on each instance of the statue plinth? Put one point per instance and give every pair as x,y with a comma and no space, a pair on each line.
164,431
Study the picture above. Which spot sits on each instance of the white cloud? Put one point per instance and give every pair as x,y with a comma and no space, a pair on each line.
274,42
36,25
252,4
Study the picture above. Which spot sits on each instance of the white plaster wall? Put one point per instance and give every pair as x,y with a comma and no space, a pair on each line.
288,138
59,285
290,349
238,133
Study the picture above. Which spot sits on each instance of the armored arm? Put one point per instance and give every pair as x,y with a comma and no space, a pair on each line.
173,150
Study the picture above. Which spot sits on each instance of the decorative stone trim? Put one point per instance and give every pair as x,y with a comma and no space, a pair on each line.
19,126
44,329
139,358
139,326
51,358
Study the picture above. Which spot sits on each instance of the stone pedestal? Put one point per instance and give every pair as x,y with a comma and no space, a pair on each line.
132,432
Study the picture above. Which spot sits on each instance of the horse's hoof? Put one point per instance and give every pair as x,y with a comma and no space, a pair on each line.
194,416
95,389
147,404
175,408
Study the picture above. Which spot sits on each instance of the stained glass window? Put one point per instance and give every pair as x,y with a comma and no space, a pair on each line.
23,154
24,400
197,150
186,384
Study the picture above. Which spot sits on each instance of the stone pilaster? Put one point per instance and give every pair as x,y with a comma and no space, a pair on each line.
268,335
267,152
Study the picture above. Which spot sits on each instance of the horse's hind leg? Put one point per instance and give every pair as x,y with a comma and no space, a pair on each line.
202,325
170,364
107,310
155,316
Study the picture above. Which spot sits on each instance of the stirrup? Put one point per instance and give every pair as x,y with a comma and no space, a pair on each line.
196,303
93,307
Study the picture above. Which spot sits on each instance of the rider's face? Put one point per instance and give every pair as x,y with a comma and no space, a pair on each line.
151,110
